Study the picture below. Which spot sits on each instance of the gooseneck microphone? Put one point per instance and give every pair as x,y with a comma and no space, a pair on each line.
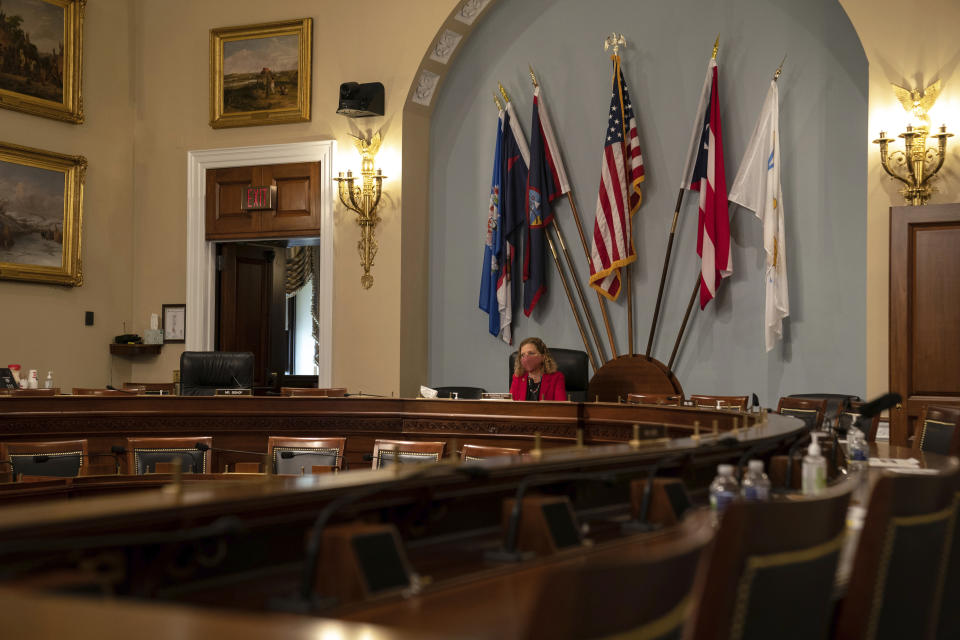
878,405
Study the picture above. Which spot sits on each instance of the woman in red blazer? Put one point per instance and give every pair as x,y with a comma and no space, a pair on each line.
535,375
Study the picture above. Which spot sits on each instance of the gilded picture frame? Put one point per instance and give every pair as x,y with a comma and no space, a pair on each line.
41,215
261,74
41,64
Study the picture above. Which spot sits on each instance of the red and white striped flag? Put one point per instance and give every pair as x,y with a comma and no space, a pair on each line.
621,173
704,172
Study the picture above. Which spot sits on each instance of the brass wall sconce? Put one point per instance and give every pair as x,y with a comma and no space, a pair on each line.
918,163
363,200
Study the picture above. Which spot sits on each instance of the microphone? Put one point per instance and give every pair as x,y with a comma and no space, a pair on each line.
110,387
877,405
203,447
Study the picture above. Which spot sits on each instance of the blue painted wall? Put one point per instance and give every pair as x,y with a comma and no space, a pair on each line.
823,121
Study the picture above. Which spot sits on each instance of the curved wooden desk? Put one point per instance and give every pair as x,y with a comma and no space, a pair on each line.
244,423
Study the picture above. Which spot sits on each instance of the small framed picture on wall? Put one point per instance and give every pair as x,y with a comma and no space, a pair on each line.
174,323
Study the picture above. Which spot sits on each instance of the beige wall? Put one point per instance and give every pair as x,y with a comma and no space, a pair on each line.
41,326
895,56
361,41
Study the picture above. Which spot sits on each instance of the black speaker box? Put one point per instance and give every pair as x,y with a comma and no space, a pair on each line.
361,100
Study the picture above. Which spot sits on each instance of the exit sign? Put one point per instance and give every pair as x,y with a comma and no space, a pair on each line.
259,198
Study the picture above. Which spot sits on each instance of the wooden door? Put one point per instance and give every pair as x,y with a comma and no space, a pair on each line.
250,313
225,189
924,311
297,210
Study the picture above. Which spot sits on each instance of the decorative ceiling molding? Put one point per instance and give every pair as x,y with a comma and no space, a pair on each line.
469,11
426,85
445,46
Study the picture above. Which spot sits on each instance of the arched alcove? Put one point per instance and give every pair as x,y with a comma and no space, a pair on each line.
823,120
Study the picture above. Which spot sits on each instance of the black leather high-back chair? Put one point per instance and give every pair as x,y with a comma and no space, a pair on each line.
203,372
574,365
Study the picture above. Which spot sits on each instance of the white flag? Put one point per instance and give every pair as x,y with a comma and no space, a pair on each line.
757,187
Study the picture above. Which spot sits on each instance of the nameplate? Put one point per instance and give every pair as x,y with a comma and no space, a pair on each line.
496,396
233,392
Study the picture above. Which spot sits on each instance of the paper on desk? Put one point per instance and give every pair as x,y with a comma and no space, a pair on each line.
427,392
895,463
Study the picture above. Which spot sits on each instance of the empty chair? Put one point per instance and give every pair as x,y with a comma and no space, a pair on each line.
463,393
574,364
62,458
771,570
203,372
289,455
721,402
897,567
937,430
665,399
478,452
850,415
334,392
143,454
809,410
643,593
946,613
835,402
386,452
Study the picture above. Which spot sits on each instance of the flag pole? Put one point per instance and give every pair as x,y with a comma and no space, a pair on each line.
573,308
696,287
683,326
563,279
573,271
603,301
663,272
616,41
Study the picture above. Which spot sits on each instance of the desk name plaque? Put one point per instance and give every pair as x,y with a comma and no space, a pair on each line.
233,392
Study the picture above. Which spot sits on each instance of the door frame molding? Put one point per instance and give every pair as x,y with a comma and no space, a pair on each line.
201,254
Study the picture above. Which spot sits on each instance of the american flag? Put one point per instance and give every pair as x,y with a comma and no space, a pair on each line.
621,173
709,178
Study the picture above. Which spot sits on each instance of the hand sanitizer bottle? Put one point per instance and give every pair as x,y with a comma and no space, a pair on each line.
48,383
814,469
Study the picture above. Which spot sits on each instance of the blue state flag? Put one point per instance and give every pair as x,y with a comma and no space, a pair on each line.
490,272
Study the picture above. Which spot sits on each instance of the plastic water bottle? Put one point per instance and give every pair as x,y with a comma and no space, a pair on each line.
48,383
856,449
756,484
723,489
814,469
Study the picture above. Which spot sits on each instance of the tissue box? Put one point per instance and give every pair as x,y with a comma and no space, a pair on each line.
153,336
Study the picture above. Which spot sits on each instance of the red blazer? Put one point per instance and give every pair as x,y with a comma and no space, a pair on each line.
552,387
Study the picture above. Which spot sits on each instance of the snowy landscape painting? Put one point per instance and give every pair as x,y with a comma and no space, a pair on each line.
31,215
41,197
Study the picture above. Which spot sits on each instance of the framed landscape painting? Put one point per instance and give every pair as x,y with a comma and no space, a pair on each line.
41,210
260,74
40,57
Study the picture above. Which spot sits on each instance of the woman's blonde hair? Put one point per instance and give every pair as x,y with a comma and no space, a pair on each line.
549,364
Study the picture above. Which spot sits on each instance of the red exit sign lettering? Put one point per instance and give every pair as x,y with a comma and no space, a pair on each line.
259,198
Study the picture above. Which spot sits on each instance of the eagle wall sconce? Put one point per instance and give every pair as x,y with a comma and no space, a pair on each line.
918,163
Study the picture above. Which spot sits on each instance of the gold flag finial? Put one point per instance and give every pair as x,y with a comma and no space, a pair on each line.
776,76
615,41
496,99
533,78
716,46
503,92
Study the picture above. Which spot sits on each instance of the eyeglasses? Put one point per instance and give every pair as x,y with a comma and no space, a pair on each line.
529,355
